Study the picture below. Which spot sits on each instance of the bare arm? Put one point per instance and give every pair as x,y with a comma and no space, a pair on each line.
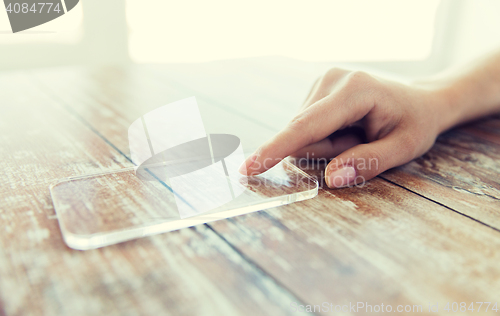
472,92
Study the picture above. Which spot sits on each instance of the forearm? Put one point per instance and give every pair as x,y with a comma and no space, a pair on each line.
471,93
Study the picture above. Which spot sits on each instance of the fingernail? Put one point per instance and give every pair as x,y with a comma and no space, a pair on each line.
247,164
341,177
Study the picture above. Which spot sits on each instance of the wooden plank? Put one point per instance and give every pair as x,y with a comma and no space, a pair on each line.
378,244
124,94
460,171
192,271
487,128
264,90
267,90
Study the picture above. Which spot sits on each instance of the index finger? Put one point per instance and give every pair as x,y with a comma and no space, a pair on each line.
310,126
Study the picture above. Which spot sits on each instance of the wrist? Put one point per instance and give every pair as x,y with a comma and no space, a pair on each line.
451,108
467,94
442,104
464,102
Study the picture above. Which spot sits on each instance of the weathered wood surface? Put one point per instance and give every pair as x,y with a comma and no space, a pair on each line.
111,98
487,129
380,243
192,271
377,244
461,171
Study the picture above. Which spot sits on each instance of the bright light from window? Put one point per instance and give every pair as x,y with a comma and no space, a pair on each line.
317,30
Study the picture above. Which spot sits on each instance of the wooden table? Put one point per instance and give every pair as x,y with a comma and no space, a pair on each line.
425,233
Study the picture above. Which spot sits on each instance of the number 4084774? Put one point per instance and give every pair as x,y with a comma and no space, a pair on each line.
478,306
35,8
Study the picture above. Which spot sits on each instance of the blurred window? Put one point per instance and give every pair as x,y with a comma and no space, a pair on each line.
317,30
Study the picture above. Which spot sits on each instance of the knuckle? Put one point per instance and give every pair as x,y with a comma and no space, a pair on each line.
375,161
415,144
358,78
299,125
410,143
362,87
334,73
331,77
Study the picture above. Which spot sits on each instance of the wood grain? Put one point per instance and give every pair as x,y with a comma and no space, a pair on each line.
487,128
378,244
193,271
98,94
460,171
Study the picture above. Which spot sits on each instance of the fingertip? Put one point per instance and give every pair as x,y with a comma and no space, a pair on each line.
245,166
341,177
243,169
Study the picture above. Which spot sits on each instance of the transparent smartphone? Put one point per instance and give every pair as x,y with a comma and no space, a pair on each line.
115,206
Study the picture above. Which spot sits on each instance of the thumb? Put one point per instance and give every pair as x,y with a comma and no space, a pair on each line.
363,162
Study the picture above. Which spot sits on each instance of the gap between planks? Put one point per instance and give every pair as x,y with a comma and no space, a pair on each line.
252,263
221,105
439,203
206,98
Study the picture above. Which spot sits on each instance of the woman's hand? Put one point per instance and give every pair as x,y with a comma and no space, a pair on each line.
400,123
